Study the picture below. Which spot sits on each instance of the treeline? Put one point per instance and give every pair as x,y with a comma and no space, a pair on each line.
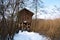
8,16
50,28
8,29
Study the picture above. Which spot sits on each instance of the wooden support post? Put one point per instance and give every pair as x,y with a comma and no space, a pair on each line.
22,27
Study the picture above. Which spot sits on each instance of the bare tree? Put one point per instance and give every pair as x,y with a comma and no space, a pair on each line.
3,22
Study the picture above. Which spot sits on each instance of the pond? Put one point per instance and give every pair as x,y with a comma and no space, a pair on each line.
29,36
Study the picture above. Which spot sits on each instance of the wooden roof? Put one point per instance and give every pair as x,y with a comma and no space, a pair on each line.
26,10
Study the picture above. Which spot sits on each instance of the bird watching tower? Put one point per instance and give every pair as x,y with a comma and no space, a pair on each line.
25,19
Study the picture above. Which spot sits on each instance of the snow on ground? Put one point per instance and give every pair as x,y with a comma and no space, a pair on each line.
29,36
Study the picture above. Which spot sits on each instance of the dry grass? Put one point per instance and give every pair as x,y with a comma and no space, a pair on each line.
49,28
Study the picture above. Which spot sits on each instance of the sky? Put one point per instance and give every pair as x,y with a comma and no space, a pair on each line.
46,9
49,9
51,2
29,36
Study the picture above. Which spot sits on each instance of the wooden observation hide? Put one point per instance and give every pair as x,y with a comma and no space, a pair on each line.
25,19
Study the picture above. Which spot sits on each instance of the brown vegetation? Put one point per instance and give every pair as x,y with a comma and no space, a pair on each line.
7,28
50,28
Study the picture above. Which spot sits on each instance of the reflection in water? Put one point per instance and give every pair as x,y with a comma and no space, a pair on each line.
29,36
